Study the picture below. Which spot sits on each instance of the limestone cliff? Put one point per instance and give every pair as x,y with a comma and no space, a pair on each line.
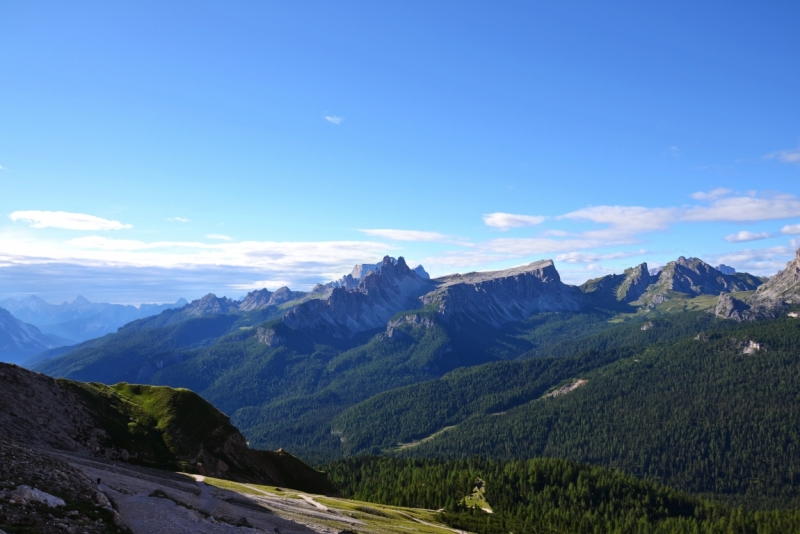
499,297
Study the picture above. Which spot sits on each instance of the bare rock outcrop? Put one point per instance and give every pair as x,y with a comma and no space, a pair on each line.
412,319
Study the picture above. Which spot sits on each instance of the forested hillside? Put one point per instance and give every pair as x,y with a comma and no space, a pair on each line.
714,413
543,496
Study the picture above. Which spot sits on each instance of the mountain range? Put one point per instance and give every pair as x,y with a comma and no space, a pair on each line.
286,369
686,377
19,341
80,319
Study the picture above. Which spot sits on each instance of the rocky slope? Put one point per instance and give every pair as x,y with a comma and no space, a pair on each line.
783,289
624,288
499,297
391,288
146,425
263,298
19,341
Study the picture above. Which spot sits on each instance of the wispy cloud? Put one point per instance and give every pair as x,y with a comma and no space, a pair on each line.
744,235
791,229
66,220
624,221
178,219
219,236
786,156
593,257
320,260
262,284
414,235
2,168
712,195
745,208
333,119
758,261
506,221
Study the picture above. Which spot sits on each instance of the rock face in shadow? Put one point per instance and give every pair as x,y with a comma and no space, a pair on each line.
499,297
154,426
729,307
623,288
392,288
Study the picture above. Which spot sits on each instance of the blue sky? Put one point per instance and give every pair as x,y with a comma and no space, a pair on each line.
154,151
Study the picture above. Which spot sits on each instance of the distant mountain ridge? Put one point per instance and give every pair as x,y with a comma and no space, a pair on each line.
684,277
19,341
80,319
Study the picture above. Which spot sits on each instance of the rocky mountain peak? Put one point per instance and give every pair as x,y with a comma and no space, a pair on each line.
390,288
361,270
256,300
693,276
209,304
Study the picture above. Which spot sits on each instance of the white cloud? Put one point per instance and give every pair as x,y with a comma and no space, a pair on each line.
712,195
272,285
2,168
791,229
178,219
219,236
786,156
744,235
414,235
505,221
66,220
333,119
624,221
594,257
747,208
327,259
764,262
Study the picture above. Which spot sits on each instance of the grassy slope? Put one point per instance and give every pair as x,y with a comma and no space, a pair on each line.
175,429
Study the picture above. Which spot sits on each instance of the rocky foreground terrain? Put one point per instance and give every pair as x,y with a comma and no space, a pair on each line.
67,465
